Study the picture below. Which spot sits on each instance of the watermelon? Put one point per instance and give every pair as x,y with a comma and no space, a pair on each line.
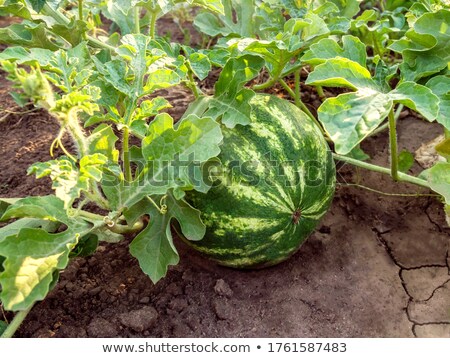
276,181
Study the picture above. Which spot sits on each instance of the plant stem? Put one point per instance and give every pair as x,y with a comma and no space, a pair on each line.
99,199
126,154
124,229
393,145
92,216
76,132
271,82
63,20
320,92
15,323
137,20
300,104
297,94
153,18
402,177
192,84
80,10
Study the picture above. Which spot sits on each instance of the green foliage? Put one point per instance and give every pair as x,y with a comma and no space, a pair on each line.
3,326
405,161
351,117
154,247
426,46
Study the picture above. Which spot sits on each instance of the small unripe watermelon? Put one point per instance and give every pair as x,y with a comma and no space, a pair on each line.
278,180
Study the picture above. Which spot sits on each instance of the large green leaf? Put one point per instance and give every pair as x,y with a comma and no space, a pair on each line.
46,208
27,34
351,117
32,254
236,20
16,8
326,49
342,72
417,97
425,47
173,156
231,99
154,247
440,86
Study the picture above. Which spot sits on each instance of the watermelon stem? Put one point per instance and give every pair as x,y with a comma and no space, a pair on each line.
401,176
393,145
15,323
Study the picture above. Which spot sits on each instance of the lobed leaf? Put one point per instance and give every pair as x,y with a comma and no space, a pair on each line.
172,159
426,47
326,49
230,101
154,247
417,97
32,252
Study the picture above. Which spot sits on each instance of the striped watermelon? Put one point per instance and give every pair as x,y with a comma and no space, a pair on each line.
278,181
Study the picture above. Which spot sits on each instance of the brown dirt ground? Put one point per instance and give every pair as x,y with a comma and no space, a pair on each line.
378,266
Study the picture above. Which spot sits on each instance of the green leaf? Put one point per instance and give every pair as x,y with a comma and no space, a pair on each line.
40,207
347,8
68,181
33,255
443,148
358,153
326,49
3,325
103,141
417,97
154,247
405,161
37,5
341,72
16,8
74,32
231,98
14,227
439,180
351,117
440,86
200,64
5,203
133,50
86,246
173,159
236,20
426,47
27,34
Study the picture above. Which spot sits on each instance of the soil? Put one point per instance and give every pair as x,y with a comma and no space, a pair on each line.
377,266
